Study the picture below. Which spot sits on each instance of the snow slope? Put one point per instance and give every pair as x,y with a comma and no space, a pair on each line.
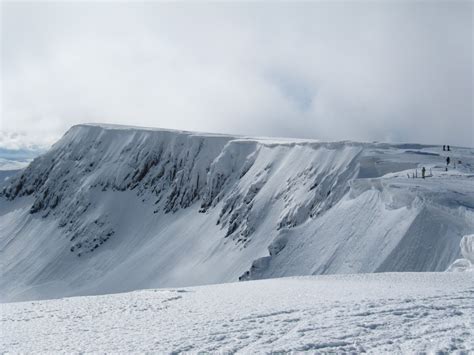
112,209
375,313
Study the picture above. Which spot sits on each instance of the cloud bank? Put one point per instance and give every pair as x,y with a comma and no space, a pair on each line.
385,71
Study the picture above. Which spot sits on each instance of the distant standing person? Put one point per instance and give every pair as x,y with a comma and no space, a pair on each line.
423,171
448,148
448,160
444,148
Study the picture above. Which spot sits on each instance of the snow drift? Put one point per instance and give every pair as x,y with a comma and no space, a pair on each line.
113,208
467,251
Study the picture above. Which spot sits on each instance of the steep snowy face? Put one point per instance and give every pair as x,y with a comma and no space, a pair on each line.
174,170
168,168
112,208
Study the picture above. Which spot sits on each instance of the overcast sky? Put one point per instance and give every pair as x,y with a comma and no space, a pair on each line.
378,70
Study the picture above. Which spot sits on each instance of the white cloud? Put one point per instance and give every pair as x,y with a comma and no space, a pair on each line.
344,70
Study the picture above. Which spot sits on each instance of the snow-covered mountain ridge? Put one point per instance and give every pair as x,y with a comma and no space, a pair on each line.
113,208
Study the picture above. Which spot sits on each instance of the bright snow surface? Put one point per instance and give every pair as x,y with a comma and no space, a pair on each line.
375,313
114,209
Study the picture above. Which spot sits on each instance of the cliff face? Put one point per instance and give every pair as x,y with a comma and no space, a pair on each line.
113,208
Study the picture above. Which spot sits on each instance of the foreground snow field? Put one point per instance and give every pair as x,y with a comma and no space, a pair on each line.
376,313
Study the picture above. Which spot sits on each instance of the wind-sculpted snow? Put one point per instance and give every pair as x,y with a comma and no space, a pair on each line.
113,208
467,251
